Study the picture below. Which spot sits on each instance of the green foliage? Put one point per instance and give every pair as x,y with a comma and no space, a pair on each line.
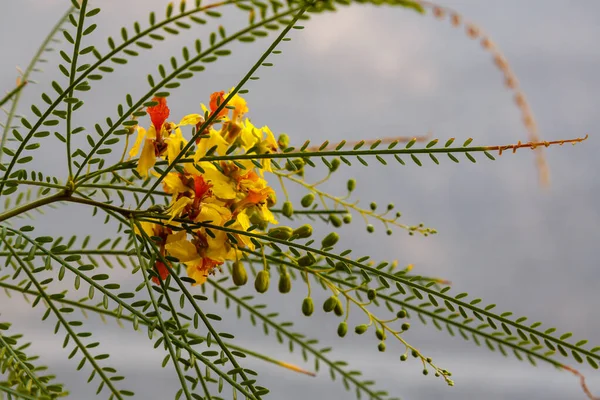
170,306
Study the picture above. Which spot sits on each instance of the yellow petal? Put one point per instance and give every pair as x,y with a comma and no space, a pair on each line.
178,246
135,149
178,207
191,119
147,159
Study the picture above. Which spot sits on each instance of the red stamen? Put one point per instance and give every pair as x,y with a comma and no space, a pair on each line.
158,114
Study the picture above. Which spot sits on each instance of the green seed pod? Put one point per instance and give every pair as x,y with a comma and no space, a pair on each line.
330,240
285,283
283,141
342,329
360,329
414,353
287,209
425,372
303,231
307,200
371,294
307,307
405,326
261,284
335,221
351,185
307,260
389,232
390,206
380,334
401,314
335,164
403,357
381,347
370,228
347,218
373,206
238,273
329,304
281,232
338,309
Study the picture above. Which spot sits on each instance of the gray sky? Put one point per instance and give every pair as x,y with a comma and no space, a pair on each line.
369,72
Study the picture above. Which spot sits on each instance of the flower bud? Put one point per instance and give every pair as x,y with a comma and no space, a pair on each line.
351,185
371,294
329,304
405,326
335,164
285,283
360,329
330,240
370,228
307,200
401,314
261,283
381,346
294,165
347,218
303,231
335,221
338,309
307,260
342,329
287,209
403,357
380,334
283,141
373,206
307,307
238,273
281,232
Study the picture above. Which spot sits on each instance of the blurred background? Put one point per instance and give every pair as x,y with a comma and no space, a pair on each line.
367,72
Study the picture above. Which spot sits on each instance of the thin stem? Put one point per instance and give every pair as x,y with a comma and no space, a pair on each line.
75,55
23,365
161,323
13,92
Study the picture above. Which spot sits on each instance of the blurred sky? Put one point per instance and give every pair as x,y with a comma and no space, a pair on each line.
368,72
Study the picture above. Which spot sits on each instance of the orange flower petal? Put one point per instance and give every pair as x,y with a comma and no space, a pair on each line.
159,113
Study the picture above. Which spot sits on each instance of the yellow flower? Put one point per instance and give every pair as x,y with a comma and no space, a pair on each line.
206,143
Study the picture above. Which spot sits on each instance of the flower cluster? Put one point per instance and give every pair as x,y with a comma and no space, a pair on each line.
213,193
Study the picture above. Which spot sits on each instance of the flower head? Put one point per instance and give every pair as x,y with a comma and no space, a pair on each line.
158,113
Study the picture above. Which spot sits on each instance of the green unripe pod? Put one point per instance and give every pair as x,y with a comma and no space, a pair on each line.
307,260
303,231
330,240
329,304
335,164
347,218
425,372
371,294
351,185
342,329
281,232
283,141
285,283
401,314
380,334
335,221
414,353
338,309
381,347
360,329
403,357
405,326
307,200
373,206
238,273
261,283
307,307
370,228
287,209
